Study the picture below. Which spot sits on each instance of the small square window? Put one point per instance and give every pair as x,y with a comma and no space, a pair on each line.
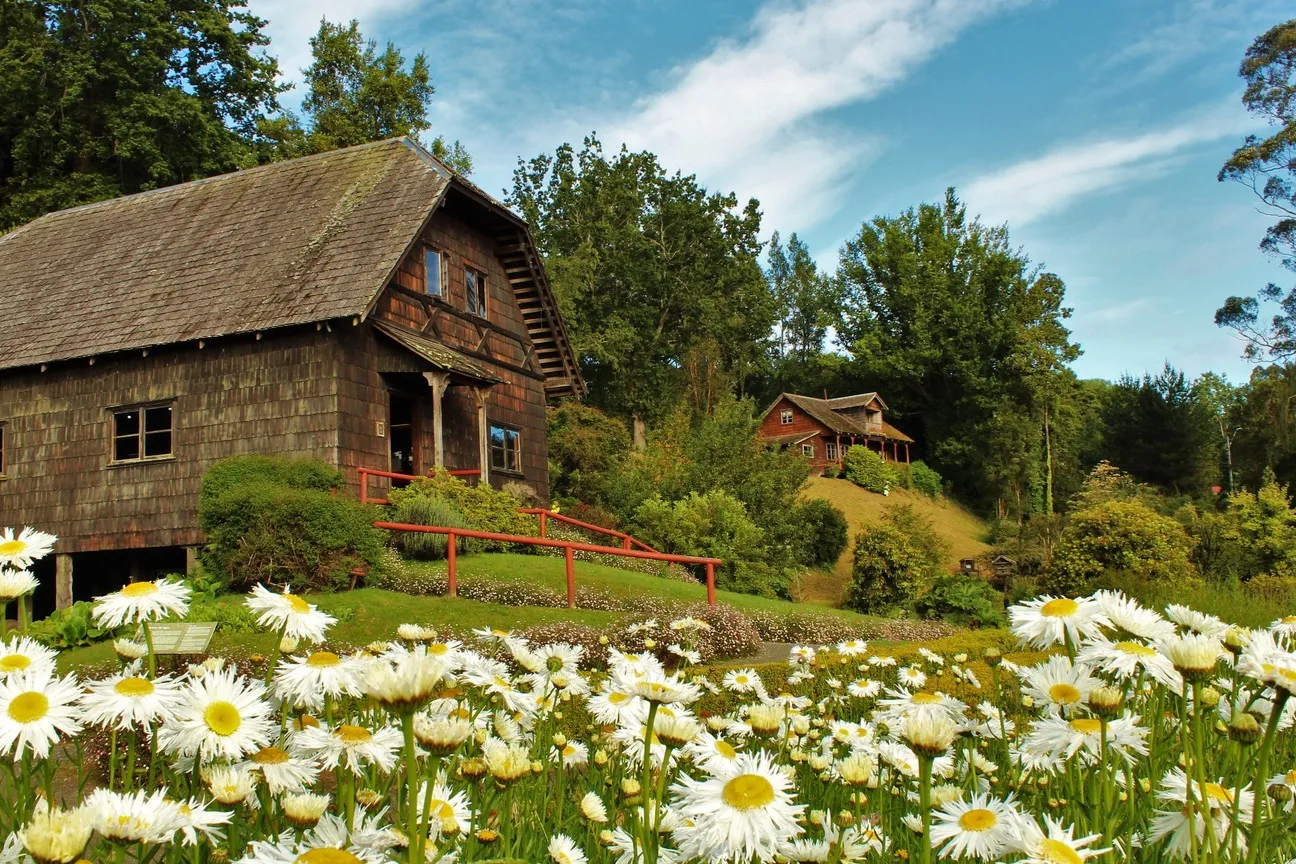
433,271
476,284
785,417
807,450
144,432
505,449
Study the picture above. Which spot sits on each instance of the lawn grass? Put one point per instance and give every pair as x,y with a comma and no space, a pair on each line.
371,614
550,573
965,533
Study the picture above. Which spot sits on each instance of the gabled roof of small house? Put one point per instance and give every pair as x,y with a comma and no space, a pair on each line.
828,414
856,401
286,244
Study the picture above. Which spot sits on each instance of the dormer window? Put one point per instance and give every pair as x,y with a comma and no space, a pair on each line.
785,418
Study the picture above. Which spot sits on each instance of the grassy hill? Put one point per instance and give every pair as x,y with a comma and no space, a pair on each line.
965,532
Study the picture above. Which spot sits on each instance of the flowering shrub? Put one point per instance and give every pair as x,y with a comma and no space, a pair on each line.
1106,732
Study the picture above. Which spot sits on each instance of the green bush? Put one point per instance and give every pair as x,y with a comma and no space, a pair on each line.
1118,535
427,510
263,531
918,529
926,479
865,468
830,471
887,570
822,528
961,599
68,628
293,473
482,507
583,441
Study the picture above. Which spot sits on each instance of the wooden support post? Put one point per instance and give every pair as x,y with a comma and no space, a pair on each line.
544,519
191,561
906,452
625,542
710,584
452,582
483,434
439,382
364,486
568,559
62,581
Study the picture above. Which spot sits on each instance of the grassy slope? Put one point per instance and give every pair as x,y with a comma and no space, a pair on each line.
962,530
375,614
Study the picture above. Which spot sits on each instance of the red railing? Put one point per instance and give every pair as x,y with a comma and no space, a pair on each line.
626,540
366,473
569,549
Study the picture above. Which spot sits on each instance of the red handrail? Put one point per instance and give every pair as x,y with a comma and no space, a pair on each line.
567,546
366,473
626,540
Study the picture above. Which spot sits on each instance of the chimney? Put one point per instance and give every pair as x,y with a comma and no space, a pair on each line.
825,394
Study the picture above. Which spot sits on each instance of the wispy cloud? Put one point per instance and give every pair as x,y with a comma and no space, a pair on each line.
1044,185
1190,28
750,113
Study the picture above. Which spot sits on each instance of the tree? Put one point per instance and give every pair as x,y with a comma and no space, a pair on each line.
807,299
1268,166
1264,417
1161,431
967,338
657,278
118,96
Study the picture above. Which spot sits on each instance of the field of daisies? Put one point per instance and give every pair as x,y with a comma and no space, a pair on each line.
1120,734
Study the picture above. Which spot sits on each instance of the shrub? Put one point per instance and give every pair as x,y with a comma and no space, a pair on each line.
925,478
917,527
1263,526
887,570
583,441
427,510
482,507
961,599
865,468
823,531
259,531
293,473
1118,535
830,471
68,628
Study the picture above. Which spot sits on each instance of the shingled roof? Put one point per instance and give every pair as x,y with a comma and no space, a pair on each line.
296,242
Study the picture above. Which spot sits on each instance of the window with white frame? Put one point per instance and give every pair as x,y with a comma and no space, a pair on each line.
785,418
505,448
433,272
807,450
831,449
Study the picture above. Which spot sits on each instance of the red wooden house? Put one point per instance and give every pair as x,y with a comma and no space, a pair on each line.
822,429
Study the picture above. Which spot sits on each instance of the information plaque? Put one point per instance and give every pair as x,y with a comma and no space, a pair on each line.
175,638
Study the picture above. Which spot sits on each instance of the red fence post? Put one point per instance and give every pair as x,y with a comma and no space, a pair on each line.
625,544
452,587
364,486
710,584
543,521
571,576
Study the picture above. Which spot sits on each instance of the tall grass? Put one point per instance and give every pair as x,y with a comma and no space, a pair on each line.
1232,602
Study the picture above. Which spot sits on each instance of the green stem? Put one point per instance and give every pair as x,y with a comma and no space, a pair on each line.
924,803
1262,769
411,792
112,757
274,655
24,619
152,660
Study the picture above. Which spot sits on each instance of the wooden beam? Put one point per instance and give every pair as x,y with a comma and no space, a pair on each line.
62,581
439,382
483,433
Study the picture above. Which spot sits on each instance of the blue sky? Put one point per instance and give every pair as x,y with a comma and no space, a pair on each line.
1095,128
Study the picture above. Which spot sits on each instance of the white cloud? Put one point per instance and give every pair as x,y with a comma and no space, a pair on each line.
1192,28
748,115
1044,185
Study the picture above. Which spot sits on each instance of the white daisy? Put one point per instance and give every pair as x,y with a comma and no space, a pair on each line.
449,812
1060,738
18,551
563,850
127,699
289,614
199,820
36,708
56,836
981,827
1059,684
1055,844
231,784
1048,621
281,772
1128,659
306,682
1194,655
15,584
1130,618
142,601
354,747
742,812
22,654
140,817
593,808
219,716
1197,622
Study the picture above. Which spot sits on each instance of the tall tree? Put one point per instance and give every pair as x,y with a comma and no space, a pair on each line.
1263,421
1161,431
807,299
657,277
1268,167
111,97
966,338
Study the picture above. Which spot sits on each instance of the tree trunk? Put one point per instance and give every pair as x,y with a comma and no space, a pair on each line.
638,432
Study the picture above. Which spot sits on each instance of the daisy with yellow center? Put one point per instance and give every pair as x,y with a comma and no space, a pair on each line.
449,812
219,716
281,771
1128,659
1047,621
307,682
22,654
1055,844
1177,825
981,827
1194,655
55,836
139,602
563,850
1060,685
36,710
289,614
741,812
19,550
128,700
353,747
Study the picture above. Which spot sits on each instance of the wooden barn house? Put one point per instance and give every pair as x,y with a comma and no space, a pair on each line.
366,307
822,429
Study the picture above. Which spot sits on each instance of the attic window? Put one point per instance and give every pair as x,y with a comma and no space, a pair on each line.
143,432
433,271
476,284
785,418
